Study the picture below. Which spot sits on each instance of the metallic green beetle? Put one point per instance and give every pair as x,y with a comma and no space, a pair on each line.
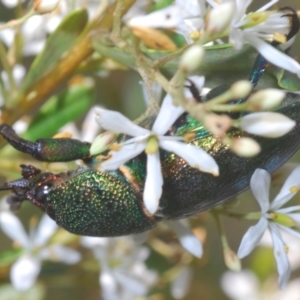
89,202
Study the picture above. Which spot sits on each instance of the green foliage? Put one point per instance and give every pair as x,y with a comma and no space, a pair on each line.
58,43
59,110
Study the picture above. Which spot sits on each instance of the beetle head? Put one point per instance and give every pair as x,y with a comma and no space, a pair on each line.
34,186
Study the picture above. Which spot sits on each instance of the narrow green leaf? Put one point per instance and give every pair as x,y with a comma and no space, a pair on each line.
222,64
9,257
59,110
58,43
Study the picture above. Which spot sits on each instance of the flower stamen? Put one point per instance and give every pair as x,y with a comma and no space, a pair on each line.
152,145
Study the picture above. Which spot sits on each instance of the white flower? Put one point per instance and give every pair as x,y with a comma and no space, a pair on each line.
124,273
45,6
88,130
36,28
150,140
272,22
180,285
292,241
188,240
219,18
25,270
186,17
272,214
243,285
18,73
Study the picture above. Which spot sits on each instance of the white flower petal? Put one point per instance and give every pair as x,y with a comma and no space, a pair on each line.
131,283
7,35
153,184
260,184
240,9
267,5
252,237
283,265
108,285
90,128
24,272
289,209
116,122
195,157
186,237
13,228
92,242
169,17
267,124
288,189
219,18
167,115
45,230
10,3
273,55
45,6
236,38
19,72
243,285
141,238
61,254
119,158
289,230
295,217
181,284
192,7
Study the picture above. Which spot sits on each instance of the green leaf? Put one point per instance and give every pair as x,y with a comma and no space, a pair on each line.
161,4
287,80
58,43
9,257
7,292
59,110
114,53
222,64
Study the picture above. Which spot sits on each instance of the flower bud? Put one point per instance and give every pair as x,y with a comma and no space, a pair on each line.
267,124
240,89
45,6
231,260
265,99
245,147
192,59
219,18
102,142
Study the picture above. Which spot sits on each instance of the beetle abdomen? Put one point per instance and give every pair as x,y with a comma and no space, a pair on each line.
98,204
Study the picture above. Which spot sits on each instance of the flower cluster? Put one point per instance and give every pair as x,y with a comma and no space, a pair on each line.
194,19
124,274
268,124
26,269
238,108
274,218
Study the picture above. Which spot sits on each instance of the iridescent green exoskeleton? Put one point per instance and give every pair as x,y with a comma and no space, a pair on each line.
89,202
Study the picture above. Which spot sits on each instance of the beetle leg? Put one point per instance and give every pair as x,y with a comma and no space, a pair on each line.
48,150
